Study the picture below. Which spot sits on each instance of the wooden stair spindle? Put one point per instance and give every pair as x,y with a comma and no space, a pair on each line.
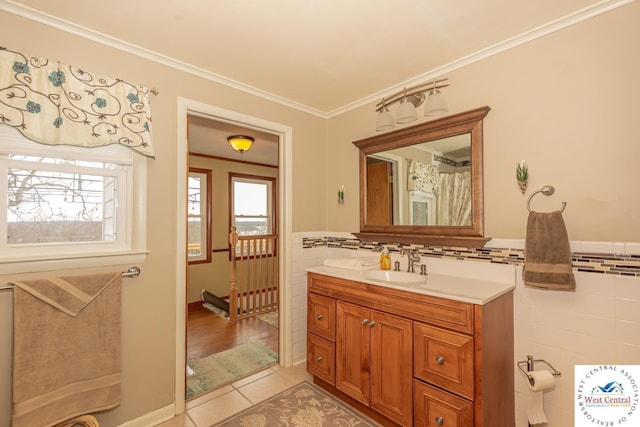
233,290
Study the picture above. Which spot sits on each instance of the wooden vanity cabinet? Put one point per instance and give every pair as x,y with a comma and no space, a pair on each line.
409,359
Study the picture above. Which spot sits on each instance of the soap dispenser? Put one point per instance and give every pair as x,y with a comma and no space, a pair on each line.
385,260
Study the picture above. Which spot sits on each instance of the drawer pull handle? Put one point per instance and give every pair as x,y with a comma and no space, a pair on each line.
365,321
440,360
439,421
372,323
318,316
318,358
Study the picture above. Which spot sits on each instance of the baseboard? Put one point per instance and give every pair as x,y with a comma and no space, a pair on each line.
195,306
152,418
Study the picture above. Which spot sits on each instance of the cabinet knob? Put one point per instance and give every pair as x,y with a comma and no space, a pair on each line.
319,316
365,321
440,360
318,358
372,323
439,421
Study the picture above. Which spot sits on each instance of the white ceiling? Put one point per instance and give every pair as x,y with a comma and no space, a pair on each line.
210,137
322,56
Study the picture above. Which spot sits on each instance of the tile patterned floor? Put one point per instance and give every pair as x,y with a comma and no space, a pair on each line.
226,401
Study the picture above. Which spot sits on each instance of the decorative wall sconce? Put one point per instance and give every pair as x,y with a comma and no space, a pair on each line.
410,99
522,175
240,143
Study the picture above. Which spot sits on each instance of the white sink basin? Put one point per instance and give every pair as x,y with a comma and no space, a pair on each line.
394,276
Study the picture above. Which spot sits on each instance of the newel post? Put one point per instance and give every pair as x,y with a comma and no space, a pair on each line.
233,290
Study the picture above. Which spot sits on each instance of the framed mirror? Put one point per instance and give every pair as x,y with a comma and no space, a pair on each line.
423,184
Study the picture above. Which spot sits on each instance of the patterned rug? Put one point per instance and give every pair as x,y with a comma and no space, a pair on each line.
228,366
303,405
271,318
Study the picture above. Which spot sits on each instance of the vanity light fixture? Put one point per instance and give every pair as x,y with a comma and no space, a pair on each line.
240,143
407,110
410,99
435,102
385,119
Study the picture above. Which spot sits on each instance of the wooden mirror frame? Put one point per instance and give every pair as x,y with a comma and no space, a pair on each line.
461,236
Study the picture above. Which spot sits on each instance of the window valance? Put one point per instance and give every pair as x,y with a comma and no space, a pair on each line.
53,103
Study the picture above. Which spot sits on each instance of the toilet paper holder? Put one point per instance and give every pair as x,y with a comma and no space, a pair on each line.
530,364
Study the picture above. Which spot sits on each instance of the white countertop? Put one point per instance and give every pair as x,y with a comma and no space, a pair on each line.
465,289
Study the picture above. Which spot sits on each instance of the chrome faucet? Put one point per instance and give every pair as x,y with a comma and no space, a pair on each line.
413,257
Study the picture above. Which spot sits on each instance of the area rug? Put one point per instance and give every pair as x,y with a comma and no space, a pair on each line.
271,318
303,405
228,366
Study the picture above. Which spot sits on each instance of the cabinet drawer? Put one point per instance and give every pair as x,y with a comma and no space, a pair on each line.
444,358
434,407
321,316
321,358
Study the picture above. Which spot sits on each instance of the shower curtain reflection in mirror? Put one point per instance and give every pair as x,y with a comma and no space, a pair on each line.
454,199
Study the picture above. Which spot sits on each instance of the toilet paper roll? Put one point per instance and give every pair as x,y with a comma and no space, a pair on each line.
540,380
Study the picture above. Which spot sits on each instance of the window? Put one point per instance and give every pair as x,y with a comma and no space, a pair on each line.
66,202
199,216
252,202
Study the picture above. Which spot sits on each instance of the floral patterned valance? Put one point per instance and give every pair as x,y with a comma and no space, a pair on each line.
423,176
53,103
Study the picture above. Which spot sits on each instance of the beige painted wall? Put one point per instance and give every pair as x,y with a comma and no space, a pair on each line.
149,302
214,276
567,103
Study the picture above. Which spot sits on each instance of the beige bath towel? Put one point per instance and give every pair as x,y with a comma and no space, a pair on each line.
66,353
547,254
82,421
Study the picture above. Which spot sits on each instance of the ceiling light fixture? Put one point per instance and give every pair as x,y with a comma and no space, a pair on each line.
410,99
240,143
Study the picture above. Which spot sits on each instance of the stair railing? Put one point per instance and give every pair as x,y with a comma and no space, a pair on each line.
254,275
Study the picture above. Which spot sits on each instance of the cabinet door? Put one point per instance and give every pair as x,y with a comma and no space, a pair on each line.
434,407
391,366
352,350
321,316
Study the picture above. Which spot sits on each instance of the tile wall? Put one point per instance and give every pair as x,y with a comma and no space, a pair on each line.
597,324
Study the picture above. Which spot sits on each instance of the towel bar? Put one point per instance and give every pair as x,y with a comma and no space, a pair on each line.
547,190
132,273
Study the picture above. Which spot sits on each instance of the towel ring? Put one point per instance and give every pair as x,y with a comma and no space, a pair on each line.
547,190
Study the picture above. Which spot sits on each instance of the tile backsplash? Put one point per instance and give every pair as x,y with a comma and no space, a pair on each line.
589,262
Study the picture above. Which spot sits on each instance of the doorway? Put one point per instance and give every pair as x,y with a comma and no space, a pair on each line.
229,188
186,108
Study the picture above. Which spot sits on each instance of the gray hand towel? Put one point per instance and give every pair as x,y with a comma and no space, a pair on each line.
547,254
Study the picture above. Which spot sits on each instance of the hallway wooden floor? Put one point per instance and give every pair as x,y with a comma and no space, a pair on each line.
207,333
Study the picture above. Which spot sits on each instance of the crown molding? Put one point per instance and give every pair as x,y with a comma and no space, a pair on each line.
18,9
596,9
535,33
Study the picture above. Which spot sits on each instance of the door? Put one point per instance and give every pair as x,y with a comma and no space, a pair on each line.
379,194
391,366
374,360
352,351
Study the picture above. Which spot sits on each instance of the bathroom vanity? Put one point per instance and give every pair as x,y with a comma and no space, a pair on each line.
429,352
